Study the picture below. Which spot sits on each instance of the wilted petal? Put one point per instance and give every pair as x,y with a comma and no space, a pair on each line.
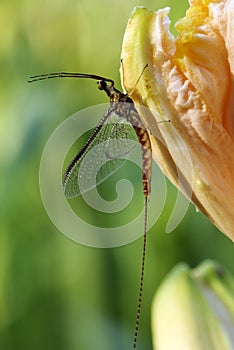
189,80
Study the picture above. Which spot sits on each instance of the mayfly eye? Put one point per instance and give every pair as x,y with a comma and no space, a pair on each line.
101,84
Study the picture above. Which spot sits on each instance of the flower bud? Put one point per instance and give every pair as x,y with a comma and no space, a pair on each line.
194,309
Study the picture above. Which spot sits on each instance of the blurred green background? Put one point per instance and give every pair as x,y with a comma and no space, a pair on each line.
54,293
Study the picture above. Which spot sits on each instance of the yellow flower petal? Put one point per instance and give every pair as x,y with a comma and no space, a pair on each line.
189,80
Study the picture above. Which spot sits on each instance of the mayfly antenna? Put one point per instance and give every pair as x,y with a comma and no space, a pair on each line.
34,78
131,92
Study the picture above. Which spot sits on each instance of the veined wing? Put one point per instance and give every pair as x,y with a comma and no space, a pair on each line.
101,156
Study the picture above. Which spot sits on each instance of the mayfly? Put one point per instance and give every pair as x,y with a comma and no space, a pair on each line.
123,107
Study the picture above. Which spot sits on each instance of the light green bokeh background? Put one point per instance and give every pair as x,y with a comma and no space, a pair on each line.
54,293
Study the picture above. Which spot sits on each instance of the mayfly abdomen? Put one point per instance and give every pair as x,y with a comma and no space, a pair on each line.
146,150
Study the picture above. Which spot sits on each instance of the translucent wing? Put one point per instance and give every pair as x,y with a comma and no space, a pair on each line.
103,154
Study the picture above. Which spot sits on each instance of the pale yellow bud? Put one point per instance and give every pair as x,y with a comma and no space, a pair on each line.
194,309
